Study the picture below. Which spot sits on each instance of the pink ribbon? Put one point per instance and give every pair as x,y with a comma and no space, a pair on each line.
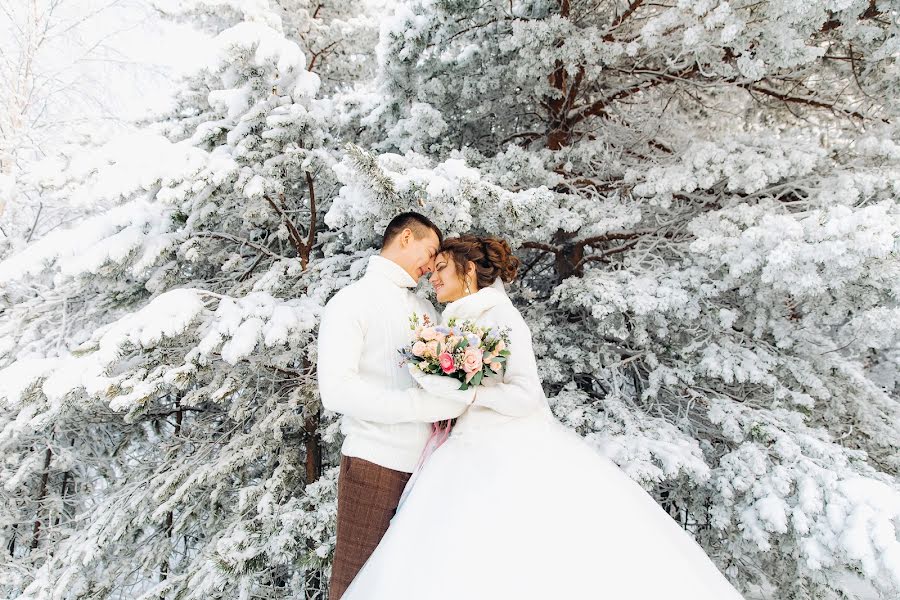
440,431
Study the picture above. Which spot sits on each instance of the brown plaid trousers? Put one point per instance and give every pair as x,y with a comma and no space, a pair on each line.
367,500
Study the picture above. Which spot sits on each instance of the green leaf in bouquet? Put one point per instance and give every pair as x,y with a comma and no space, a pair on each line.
462,344
477,379
499,359
464,386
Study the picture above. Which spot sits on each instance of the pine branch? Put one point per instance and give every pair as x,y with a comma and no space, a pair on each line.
600,106
239,240
174,411
616,235
318,53
808,101
603,255
608,37
252,268
365,162
293,233
540,246
311,239
531,135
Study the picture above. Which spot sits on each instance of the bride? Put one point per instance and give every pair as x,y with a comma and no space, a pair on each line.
514,505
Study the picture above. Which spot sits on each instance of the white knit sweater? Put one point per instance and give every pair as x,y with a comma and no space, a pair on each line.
518,393
385,414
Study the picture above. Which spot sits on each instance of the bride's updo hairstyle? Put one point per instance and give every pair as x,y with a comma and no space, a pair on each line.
493,258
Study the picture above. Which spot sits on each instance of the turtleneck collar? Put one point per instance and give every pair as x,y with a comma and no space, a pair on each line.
380,266
474,305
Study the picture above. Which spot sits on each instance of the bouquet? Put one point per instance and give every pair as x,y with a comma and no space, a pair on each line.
463,351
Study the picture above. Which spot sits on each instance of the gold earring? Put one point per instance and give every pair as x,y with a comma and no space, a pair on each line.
468,289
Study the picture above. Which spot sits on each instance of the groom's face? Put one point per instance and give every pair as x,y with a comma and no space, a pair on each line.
417,256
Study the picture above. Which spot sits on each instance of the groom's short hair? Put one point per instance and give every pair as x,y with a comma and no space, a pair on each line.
418,224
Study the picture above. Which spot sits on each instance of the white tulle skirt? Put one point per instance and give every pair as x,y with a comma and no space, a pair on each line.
527,510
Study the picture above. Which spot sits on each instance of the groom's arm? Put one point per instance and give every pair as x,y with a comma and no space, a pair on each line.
346,391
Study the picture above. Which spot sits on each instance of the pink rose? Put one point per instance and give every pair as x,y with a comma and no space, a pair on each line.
499,347
472,360
428,334
431,349
419,348
495,366
446,360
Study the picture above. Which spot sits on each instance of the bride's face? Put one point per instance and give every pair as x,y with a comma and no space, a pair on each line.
448,283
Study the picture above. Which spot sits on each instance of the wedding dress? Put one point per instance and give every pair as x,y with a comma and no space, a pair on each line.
516,506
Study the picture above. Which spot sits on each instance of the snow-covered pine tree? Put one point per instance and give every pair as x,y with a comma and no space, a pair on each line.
706,196
161,434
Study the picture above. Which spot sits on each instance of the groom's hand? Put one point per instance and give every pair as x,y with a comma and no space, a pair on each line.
439,385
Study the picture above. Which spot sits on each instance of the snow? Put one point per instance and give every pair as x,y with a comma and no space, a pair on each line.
243,341
255,188
267,44
109,237
232,102
133,162
16,379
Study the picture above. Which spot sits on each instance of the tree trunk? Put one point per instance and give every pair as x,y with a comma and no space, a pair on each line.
568,261
11,546
42,494
313,448
312,442
170,517
64,489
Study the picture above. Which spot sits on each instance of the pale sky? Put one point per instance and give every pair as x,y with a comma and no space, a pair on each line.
153,51
161,50
109,61
96,63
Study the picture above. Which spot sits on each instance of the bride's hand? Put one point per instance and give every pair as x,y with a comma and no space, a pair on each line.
439,385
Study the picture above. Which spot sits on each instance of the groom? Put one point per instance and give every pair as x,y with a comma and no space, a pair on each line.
385,415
